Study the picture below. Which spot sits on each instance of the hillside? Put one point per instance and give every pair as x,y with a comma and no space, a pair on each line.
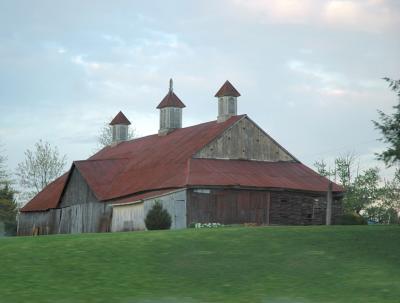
269,264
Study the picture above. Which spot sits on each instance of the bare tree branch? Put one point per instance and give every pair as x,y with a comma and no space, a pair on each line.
40,167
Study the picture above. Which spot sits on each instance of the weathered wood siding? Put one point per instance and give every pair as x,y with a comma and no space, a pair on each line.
228,206
29,221
245,140
231,206
290,208
128,217
78,212
84,218
131,217
77,191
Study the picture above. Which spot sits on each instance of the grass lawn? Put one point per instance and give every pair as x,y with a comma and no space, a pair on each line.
267,264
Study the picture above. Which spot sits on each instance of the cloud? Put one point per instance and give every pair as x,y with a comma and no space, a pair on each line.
89,66
364,15
133,69
373,15
315,71
332,88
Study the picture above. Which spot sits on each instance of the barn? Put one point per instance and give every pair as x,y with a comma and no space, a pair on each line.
227,171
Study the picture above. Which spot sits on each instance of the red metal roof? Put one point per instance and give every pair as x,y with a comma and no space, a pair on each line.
120,118
49,197
157,163
171,100
227,89
242,173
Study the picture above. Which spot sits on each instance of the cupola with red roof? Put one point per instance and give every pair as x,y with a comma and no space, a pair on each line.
227,101
170,112
120,128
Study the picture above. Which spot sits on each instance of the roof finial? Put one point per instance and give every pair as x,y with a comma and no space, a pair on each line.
171,85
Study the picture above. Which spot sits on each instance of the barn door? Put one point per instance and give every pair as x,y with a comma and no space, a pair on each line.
179,214
263,208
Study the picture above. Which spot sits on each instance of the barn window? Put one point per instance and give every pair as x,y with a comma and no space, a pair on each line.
316,209
202,191
231,105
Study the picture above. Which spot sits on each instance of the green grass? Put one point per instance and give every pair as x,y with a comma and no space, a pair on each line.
270,264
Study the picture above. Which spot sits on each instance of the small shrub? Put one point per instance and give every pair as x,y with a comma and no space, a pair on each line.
158,218
352,219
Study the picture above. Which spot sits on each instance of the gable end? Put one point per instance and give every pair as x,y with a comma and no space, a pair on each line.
245,140
76,191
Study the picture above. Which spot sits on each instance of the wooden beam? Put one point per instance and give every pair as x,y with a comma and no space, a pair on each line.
329,204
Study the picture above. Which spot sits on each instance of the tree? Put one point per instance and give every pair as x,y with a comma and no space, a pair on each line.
364,191
4,178
8,210
158,218
322,168
41,166
361,188
105,137
8,206
389,126
387,209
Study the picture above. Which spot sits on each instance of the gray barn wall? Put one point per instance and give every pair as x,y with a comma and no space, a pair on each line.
77,191
128,217
131,217
28,221
244,140
79,211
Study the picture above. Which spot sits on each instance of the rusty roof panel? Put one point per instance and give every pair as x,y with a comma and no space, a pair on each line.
47,198
286,175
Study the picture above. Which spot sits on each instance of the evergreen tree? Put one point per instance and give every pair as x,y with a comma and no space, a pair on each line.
8,206
158,218
8,210
389,126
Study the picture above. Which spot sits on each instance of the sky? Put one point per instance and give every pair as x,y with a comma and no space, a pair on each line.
309,72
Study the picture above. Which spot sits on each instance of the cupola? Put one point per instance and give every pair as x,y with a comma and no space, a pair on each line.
170,112
120,128
227,101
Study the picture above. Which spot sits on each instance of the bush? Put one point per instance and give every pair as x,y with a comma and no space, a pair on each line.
158,218
352,219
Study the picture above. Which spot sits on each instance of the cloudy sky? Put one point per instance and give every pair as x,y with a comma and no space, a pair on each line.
309,71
